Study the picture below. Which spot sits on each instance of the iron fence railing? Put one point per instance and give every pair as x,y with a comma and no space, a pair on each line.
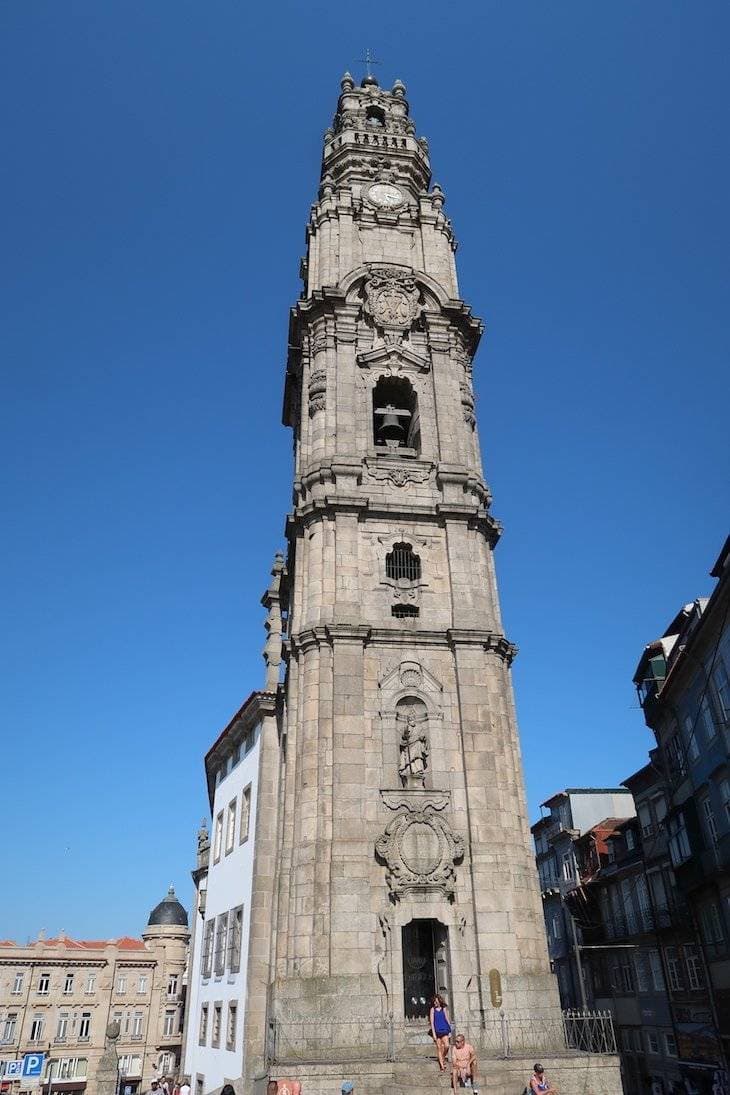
497,1035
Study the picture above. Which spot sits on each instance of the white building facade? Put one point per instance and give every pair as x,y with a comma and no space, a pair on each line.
217,974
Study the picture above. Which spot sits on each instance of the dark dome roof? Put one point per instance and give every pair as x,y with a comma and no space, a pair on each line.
169,911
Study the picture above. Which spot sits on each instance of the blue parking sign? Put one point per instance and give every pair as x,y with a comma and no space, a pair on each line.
13,1070
33,1064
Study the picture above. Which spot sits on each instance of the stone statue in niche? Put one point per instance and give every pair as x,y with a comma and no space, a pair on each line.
412,718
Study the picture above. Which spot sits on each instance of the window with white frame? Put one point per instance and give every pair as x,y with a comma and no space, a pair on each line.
707,720
17,984
724,789
679,845
68,984
674,969
721,683
218,837
658,889
169,1025
235,931
675,755
642,973
203,1031
245,814
627,887
645,819
68,1068
137,1023
172,984
693,964
206,964
166,1062
9,1027
44,984
91,983
652,1041
709,817
642,897
130,1064
121,984
142,983
85,1026
657,974
568,866
219,963
627,974
670,1045
36,1028
62,1027
711,923
659,804
215,1040
690,737
630,840
230,826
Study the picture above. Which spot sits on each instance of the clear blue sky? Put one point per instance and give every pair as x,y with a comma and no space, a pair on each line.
159,162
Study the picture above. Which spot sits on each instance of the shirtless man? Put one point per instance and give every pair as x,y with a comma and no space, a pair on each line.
540,1084
463,1064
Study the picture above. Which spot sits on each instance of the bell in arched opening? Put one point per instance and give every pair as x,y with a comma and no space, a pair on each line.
394,414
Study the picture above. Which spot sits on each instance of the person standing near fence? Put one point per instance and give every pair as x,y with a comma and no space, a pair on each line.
438,1017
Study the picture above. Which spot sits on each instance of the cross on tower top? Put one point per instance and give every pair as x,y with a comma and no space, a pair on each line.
368,60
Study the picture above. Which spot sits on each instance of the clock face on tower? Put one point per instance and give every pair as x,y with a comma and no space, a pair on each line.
385,195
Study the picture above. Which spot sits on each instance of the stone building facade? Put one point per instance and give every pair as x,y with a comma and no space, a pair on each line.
570,813
392,851
58,996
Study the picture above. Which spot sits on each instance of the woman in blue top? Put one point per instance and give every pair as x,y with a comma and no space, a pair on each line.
438,1017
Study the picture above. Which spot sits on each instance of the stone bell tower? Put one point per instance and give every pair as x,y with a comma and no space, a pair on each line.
393,857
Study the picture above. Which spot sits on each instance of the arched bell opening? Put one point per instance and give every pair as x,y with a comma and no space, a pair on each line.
426,966
396,423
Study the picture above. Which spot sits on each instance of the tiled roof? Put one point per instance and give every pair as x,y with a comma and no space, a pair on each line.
125,943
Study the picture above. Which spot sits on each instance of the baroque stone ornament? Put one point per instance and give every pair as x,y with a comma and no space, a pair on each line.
391,296
420,851
399,474
317,391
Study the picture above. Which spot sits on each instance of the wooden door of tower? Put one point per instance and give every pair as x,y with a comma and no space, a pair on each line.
426,967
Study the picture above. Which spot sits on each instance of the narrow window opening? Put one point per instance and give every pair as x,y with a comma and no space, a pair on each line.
375,117
396,423
402,563
404,612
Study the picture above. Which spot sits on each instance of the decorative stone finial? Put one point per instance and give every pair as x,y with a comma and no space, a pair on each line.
437,196
369,81
399,89
347,83
271,601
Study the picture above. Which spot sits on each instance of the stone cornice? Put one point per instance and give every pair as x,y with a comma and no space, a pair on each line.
327,634
71,959
316,508
492,641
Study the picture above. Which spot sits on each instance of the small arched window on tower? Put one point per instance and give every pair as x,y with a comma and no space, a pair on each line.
396,424
402,564
375,116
